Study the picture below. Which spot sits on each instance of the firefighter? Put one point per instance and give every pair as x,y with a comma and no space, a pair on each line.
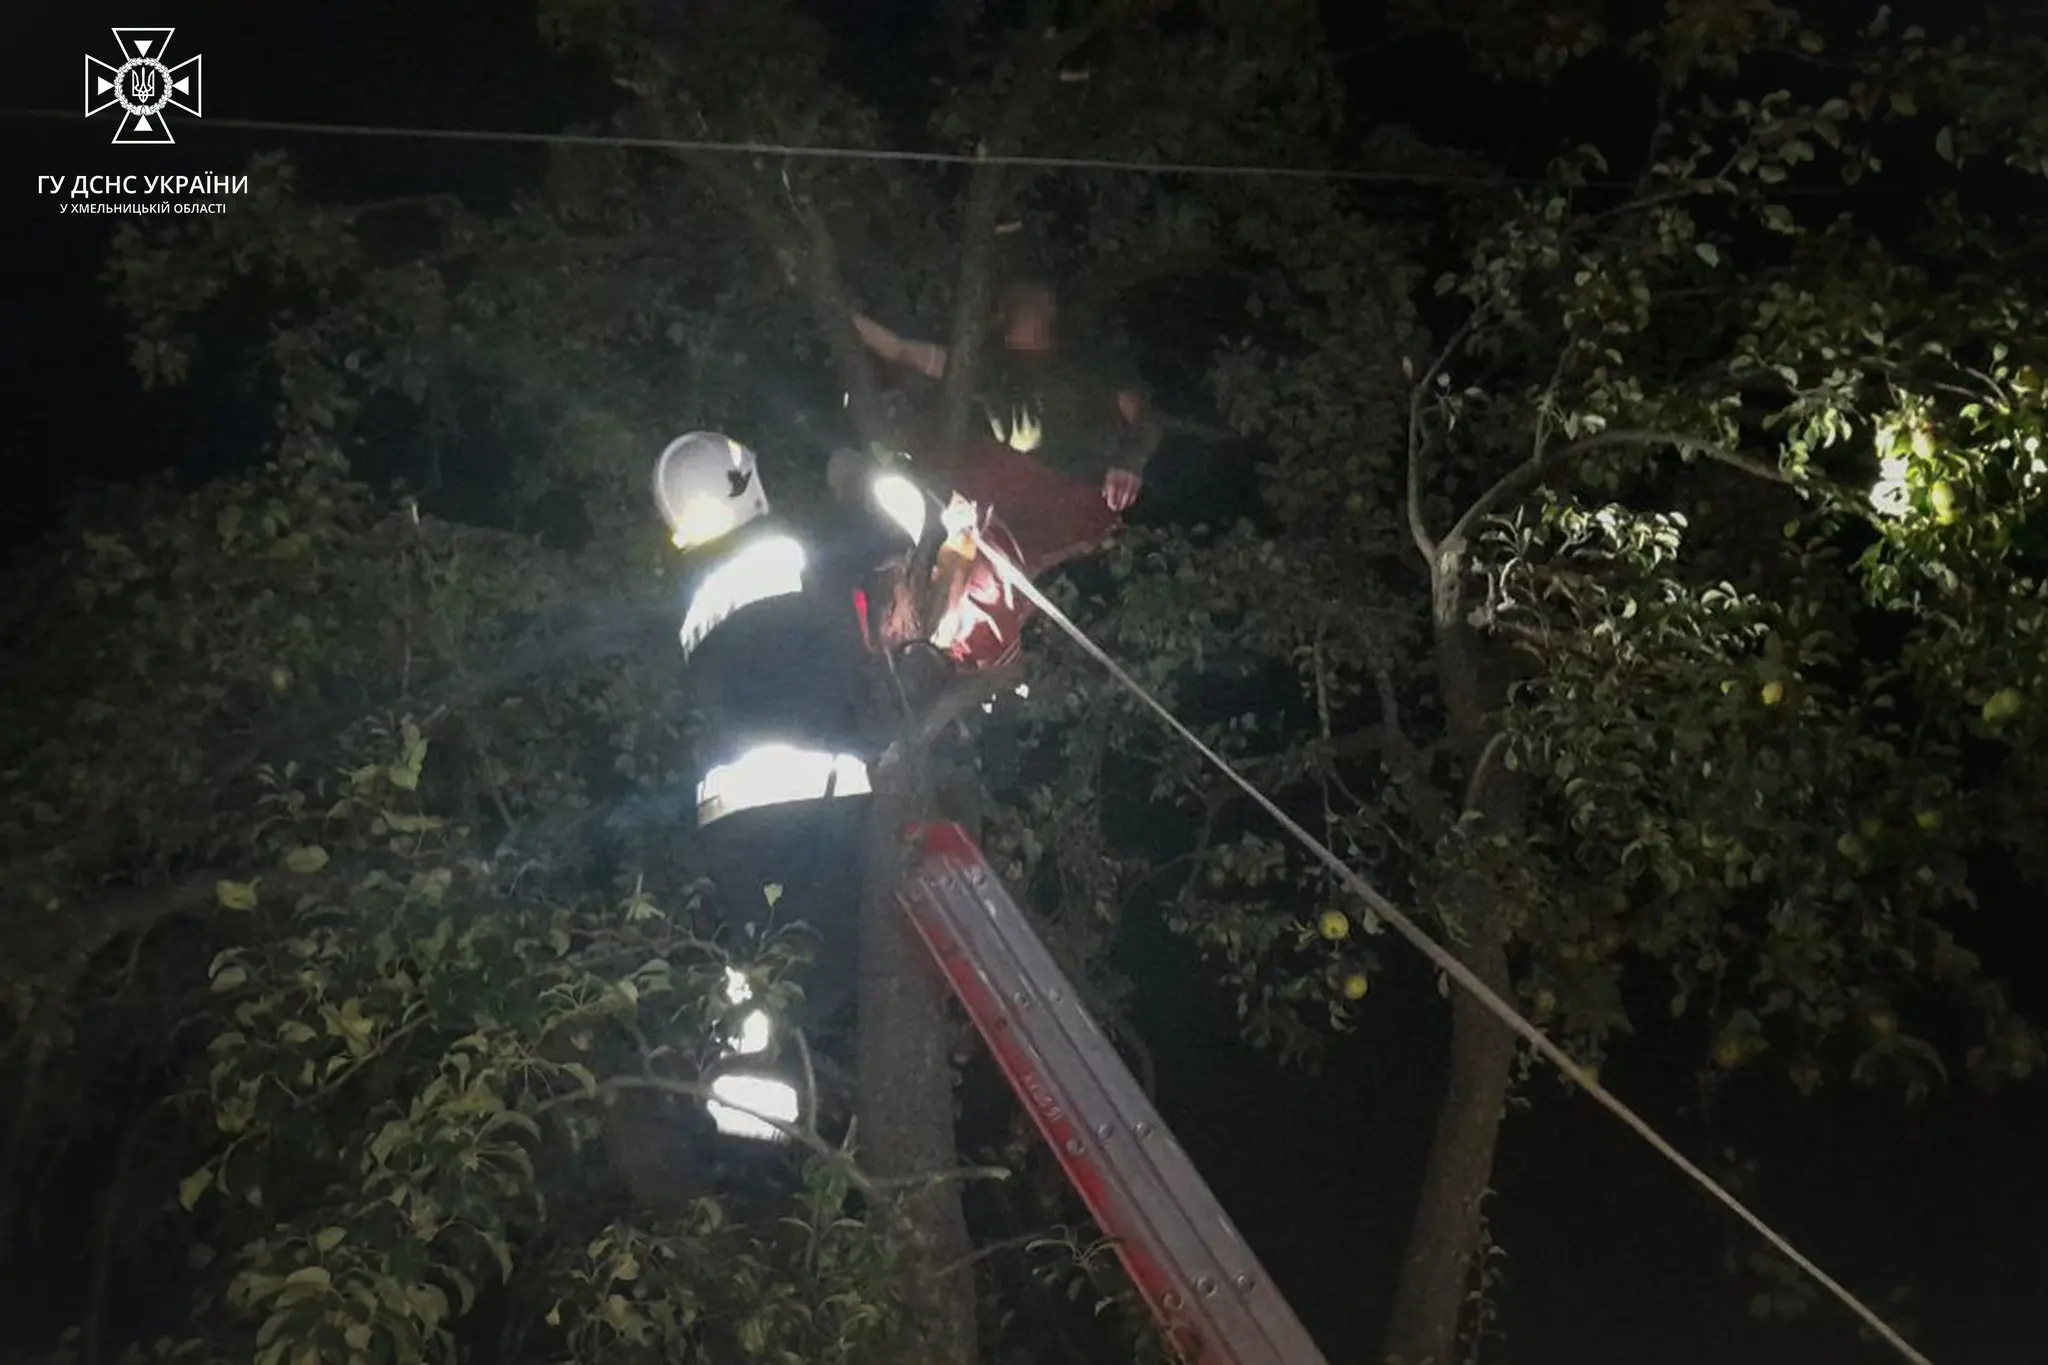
771,639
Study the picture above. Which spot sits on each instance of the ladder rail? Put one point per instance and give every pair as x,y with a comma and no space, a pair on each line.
1209,1293
1057,1124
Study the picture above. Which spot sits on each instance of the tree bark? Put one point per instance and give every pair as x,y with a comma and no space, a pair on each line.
1445,1237
906,1084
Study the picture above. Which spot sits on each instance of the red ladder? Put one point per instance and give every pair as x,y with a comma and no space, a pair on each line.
1211,1297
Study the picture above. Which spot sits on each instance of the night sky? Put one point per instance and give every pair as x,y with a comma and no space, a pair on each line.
1611,1256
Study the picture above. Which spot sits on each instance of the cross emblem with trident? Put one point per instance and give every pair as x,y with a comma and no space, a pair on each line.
142,85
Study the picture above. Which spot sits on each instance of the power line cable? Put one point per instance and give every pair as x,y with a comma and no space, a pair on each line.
797,151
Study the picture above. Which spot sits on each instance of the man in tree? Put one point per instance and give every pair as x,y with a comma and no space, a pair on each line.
1058,453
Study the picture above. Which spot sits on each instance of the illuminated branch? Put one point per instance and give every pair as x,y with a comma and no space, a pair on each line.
801,1134
1531,472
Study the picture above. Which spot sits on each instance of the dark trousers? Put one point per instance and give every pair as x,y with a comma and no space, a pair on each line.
812,850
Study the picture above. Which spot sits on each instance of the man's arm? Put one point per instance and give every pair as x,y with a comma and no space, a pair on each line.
925,357
1136,437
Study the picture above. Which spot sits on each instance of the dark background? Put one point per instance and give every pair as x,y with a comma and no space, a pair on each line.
1611,1255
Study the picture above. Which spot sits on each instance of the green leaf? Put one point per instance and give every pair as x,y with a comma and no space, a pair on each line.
306,859
193,1186
2003,705
387,1139
313,1276
409,824
329,1238
235,895
429,1304
1945,144
1707,252
229,978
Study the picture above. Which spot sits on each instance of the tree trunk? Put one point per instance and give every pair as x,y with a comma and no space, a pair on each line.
1445,1237
906,1090
1449,1226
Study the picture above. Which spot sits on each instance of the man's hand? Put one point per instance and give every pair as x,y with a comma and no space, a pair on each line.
1120,488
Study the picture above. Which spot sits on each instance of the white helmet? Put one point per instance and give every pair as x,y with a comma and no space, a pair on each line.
706,486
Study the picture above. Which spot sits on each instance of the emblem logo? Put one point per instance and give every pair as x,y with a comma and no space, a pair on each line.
143,85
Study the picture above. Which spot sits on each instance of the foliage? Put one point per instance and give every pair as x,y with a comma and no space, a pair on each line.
422,1069
1703,718
1767,763
1649,541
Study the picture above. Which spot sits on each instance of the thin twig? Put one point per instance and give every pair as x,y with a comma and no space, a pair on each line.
1022,1242
803,1052
1482,768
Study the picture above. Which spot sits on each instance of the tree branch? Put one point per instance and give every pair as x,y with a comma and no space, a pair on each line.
1416,527
835,313
803,1135
1482,769
131,910
1039,71
950,705
1531,472
827,296
1403,757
